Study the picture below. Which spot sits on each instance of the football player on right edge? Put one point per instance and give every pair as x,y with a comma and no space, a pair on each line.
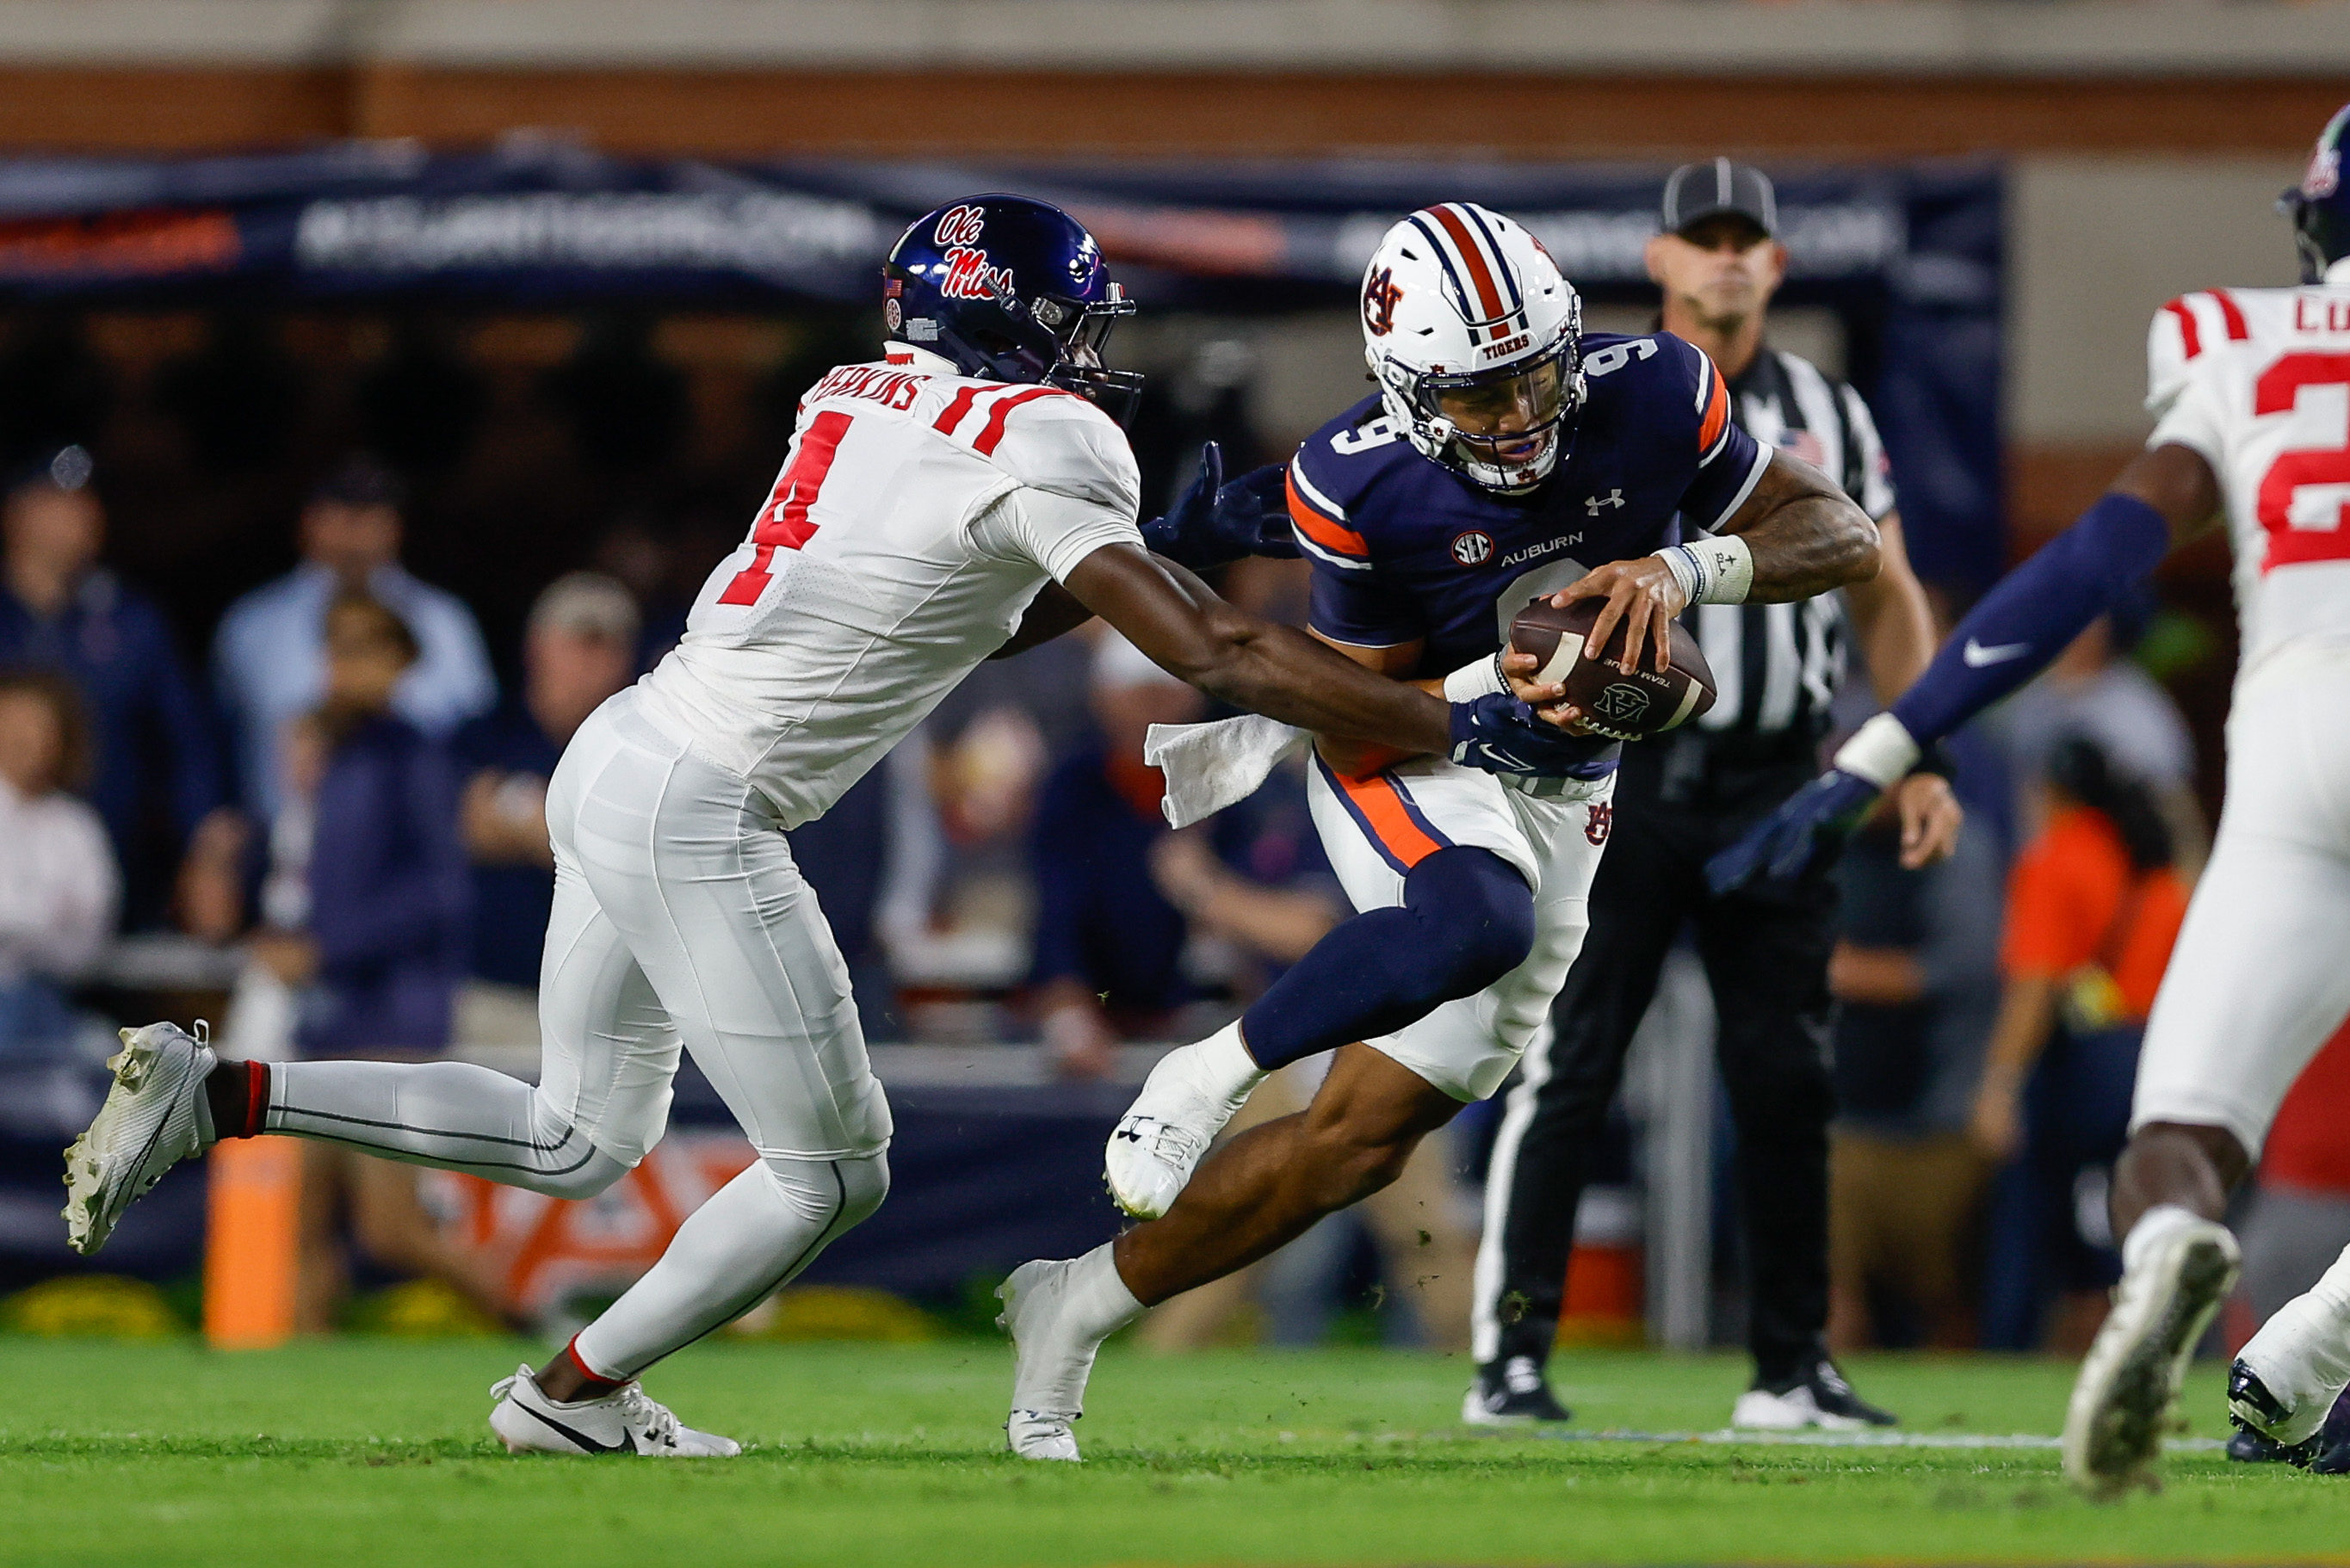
2251,391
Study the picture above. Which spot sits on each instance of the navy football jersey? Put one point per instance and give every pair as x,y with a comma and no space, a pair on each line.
1404,549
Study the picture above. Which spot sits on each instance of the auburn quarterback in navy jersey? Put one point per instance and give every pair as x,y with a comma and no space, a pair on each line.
1407,551
1505,456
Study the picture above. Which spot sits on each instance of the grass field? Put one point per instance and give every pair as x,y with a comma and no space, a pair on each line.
373,1451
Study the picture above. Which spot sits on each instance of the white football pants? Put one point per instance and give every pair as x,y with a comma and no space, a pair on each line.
2260,976
679,919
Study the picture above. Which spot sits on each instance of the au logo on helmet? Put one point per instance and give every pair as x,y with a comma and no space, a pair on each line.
1379,297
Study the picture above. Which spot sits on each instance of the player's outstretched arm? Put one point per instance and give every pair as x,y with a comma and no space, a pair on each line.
1795,537
1276,671
2165,496
1285,674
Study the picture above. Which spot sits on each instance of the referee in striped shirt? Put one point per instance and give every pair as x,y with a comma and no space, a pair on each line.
1680,797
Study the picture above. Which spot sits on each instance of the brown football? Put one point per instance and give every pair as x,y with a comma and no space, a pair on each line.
1615,698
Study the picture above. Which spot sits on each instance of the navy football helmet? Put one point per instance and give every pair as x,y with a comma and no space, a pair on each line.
1010,289
2320,205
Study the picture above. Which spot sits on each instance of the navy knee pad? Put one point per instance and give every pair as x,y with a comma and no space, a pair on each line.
1467,919
1476,913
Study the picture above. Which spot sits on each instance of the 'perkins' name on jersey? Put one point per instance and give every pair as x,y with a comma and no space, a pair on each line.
1405,550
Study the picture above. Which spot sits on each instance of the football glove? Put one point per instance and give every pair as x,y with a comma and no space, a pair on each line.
1499,735
1213,524
1809,826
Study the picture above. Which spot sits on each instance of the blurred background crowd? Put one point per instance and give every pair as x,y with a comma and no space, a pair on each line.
300,601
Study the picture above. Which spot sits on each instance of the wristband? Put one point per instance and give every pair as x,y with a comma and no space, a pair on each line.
1710,570
1476,679
1938,759
1880,752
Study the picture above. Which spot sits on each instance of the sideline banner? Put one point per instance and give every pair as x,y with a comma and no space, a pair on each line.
1910,256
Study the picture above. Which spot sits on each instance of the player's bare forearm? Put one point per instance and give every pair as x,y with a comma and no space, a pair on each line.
1807,536
1891,618
1277,670
1051,613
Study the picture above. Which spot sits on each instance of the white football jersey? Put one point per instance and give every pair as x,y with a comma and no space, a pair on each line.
918,513
2258,381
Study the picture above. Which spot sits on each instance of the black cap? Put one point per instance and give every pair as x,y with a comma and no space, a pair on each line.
1696,191
360,481
65,467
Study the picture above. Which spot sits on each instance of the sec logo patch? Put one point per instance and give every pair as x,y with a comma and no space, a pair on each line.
1473,548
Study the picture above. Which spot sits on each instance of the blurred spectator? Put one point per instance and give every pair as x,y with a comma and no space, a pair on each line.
151,735
2092,908
1109,947
58,882
2094,691
365,913
1914,966
578,648
2300,1218
387,877
269,658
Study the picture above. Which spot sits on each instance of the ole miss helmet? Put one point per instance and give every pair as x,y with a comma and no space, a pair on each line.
1475,340
2320,205
1010,289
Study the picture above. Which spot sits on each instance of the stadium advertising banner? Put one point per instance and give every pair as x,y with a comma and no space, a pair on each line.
1911,257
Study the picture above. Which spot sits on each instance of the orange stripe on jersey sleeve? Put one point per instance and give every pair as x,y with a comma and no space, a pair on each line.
1717,411
1383,813
1325,531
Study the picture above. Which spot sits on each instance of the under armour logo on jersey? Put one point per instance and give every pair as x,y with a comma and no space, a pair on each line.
1592,503
1596,828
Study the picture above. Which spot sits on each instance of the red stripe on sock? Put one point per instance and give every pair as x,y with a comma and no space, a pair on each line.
599,1385
257,1099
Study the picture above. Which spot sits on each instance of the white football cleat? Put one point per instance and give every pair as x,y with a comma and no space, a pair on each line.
625,1421
154,1116
2129,1387
1184,1103
2288,1375
1053,1358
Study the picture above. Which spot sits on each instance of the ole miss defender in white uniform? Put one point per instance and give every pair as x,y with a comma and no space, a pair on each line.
930,502
2251,391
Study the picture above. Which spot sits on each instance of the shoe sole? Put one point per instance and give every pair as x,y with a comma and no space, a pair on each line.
2112,1434
90,1215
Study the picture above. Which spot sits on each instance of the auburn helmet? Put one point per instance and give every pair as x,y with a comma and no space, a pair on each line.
1010,289
1475,340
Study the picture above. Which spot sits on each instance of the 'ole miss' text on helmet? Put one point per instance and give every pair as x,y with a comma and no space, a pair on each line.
1476,343
1010,289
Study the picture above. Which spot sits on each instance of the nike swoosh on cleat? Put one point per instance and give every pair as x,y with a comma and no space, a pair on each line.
627,1445
1977,656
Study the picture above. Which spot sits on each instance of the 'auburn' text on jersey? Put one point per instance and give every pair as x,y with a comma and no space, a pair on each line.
1405,550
